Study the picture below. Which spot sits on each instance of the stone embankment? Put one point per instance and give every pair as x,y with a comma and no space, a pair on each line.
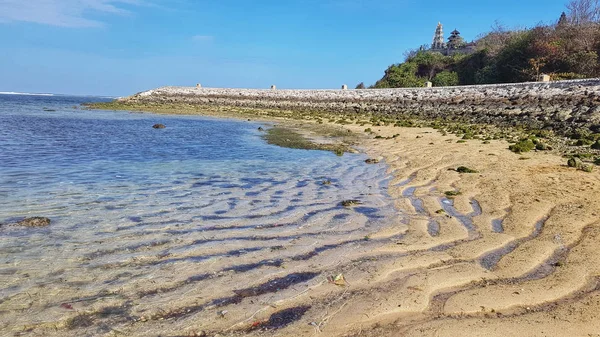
562,106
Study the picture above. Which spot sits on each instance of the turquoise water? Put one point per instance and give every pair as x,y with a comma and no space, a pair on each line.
130,204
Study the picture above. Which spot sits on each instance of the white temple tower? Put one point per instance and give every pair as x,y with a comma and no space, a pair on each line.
438,38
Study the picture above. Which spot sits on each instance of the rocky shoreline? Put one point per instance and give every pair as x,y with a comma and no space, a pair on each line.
563,106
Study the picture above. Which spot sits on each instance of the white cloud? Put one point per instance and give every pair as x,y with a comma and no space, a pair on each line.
64,13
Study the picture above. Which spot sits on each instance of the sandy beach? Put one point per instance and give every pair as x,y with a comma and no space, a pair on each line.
524,264
515,253
510,249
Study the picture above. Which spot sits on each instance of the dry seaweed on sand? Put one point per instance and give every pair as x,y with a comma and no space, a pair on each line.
464,169
338,280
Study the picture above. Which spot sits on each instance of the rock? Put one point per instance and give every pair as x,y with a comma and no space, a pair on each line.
575,162
372,161
463,169
542,147
159,126
560,106
350,203
34,222
587,168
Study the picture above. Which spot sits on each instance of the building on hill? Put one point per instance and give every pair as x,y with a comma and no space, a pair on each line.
455,41
455,45
438,38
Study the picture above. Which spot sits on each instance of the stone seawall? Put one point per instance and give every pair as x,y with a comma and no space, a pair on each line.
563,106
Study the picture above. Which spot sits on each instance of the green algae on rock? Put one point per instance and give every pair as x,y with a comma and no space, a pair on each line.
286,137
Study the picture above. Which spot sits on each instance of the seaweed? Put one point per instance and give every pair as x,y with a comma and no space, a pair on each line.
523,146
464,169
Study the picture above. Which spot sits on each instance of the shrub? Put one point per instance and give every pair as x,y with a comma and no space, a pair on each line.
565,76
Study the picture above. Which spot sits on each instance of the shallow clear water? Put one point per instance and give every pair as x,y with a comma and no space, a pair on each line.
136,209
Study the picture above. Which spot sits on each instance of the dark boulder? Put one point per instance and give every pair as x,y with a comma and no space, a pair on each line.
372,161
159,126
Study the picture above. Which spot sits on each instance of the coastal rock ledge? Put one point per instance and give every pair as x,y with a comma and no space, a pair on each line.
562,105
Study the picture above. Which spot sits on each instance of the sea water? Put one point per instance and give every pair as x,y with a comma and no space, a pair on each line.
141,216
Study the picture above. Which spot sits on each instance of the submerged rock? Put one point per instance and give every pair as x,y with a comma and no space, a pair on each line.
159,126
350,203
34,222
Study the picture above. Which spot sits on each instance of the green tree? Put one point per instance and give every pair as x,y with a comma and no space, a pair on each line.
562,21
446,79
429,63
512,62
467,66
487,75
401,76
583,62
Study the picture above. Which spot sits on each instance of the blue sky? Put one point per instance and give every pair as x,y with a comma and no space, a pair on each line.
120,47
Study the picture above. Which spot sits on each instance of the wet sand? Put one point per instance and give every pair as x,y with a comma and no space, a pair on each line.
515,253
523,262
